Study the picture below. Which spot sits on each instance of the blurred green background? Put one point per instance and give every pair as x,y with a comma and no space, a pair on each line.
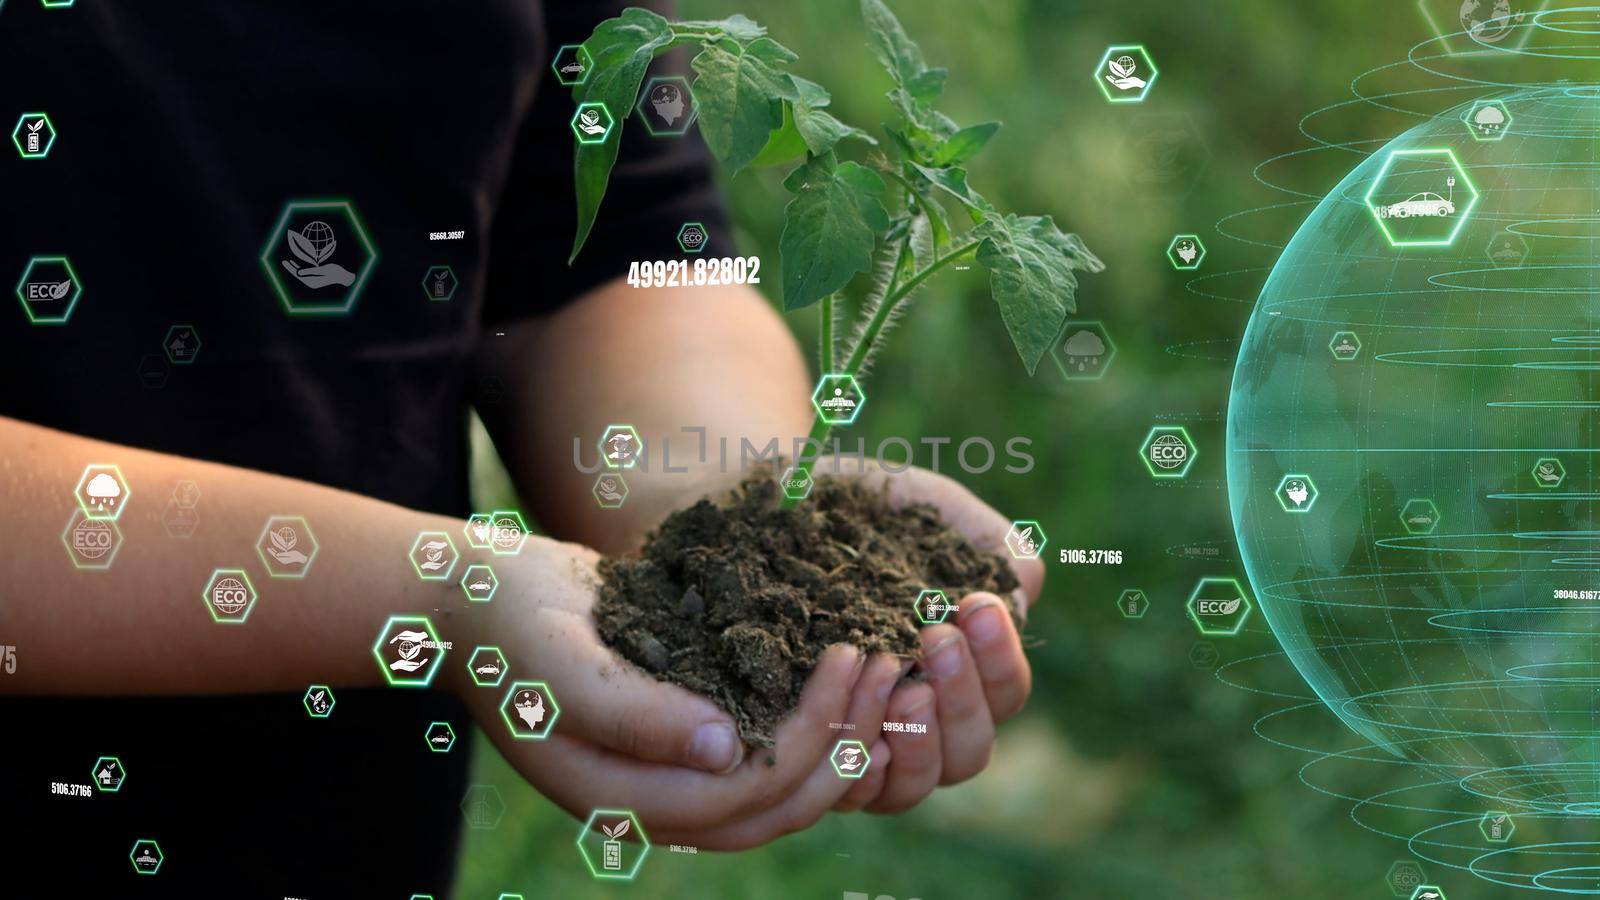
1133,772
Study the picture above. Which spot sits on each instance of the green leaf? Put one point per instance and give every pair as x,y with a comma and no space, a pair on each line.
820,130
964,144
953,181
783,145
1031,265
896,52
621,49
829,228
735,27
740,90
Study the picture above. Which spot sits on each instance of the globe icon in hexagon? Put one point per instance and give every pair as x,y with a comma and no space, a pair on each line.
319,235
1470,647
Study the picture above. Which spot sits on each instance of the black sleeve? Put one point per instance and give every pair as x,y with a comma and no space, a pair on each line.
658,184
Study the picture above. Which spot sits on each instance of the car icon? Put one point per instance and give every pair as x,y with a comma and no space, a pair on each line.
479,585
573,67
489,669
441,739
1426,203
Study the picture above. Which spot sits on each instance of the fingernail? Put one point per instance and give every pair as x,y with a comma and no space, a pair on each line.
890,671
944,662
716,748
986,624
861,663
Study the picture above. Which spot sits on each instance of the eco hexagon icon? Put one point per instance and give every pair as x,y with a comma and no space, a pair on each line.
838,399
409,652
1419,516
487,666
318,701
1219,606
34,135
1186,252
1507,250
610,490
1168,451
146,856
318,257
1026,539
507,532
229,596
49,290
439,284
1125,73
620,447
1296,493
440,737
571,65
477,530
287,547
850,759
693,237
482,806
182,345
479,582
1133,603
1548,472
666,106
530,710
1403,876
1487,120
796,483
1083,352
601,843
1344,345
931,607
1497,826
433,556
91,543
1428,892
592,123
108,774
1421,197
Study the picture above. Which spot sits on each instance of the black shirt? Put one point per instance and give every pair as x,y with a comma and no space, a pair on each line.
184,129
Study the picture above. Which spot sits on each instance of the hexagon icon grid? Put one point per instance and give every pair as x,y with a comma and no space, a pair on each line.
439,284
287,547
146,856
1026,539
1168,451
409,652
1186,252
34,135
181,344
613,844
507,532
1497,826
850,759
1344,345
666,106
1487,120
693,237
610,490
108,774
592,123
1125,73
1548,473
433,556
1419,516
1133,603
1083,352
1430,207
91,543
931,607
620,446
838,399
530,710
229,596
49,290
487,666
796,483
1219,606
571,64
440,737
1296,493
479,583
317,268
318,701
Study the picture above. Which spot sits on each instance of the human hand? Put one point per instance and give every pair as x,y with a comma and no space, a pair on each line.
320,276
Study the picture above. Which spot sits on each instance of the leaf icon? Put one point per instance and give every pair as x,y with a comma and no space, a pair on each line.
1231,607
1120,68
284,538
60,289
302,248
617,830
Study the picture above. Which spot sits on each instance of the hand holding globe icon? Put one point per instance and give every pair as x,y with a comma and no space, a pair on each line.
313,245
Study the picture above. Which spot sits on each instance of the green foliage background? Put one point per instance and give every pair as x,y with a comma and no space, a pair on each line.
1131,773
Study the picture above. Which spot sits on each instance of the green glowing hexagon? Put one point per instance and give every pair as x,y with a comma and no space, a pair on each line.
1420,516
537,710
1428,203
1186,252
620,446
477,530
1296,493
693,237
1403,875
287,547
1083,352
439,284
1168,451
318,701
300,269
400,644
439,737
838,399
1026,539
487,666
666,106
1125,73
507,532
182,345
108,774
850,759
229,596
91,543
796,483
1344,345
571,65
433,556
1219,606
1497,826
610,490
592,123
34,135
49,290
1548,472
931,607
1428,892
479,582
1487,120
1133,604
146,857
601,844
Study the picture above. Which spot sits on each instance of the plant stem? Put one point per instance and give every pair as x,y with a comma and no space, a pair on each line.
820,429
826,340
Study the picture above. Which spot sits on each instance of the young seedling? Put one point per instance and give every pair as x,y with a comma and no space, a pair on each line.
895,215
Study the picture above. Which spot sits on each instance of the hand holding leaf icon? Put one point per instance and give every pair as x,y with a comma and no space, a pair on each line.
313,245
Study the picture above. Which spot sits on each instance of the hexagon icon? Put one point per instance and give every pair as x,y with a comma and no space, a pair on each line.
409,651
1026,539
571,64
1083,352
479,582
1168,451
1507,250
1548,472
180,521
666,106
610,490
1428,892
153,370
693,237
433,556
482,806
1133,604
507,532
1344,345
1296,493
319,701
1487,120
1497,826
107,774
229,596
1203,655
592,123
91,543
1125,73
838,399
1186,252
287,547
186,494
1403,876
182,345
602,843
1219,606
1419,516
34,135
487,666
318,257
850,759
439,284
796,483
620,447
530,710
440,737
1421,198
49,290
931,607
146,857
477,530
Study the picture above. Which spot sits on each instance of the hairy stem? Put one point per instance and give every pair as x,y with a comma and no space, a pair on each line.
825,351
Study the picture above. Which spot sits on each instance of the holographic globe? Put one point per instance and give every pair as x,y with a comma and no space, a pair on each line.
1436,376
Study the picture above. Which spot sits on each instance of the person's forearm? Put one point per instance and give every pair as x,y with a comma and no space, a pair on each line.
142,625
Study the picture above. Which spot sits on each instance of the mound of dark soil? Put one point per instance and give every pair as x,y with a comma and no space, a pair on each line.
736,600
